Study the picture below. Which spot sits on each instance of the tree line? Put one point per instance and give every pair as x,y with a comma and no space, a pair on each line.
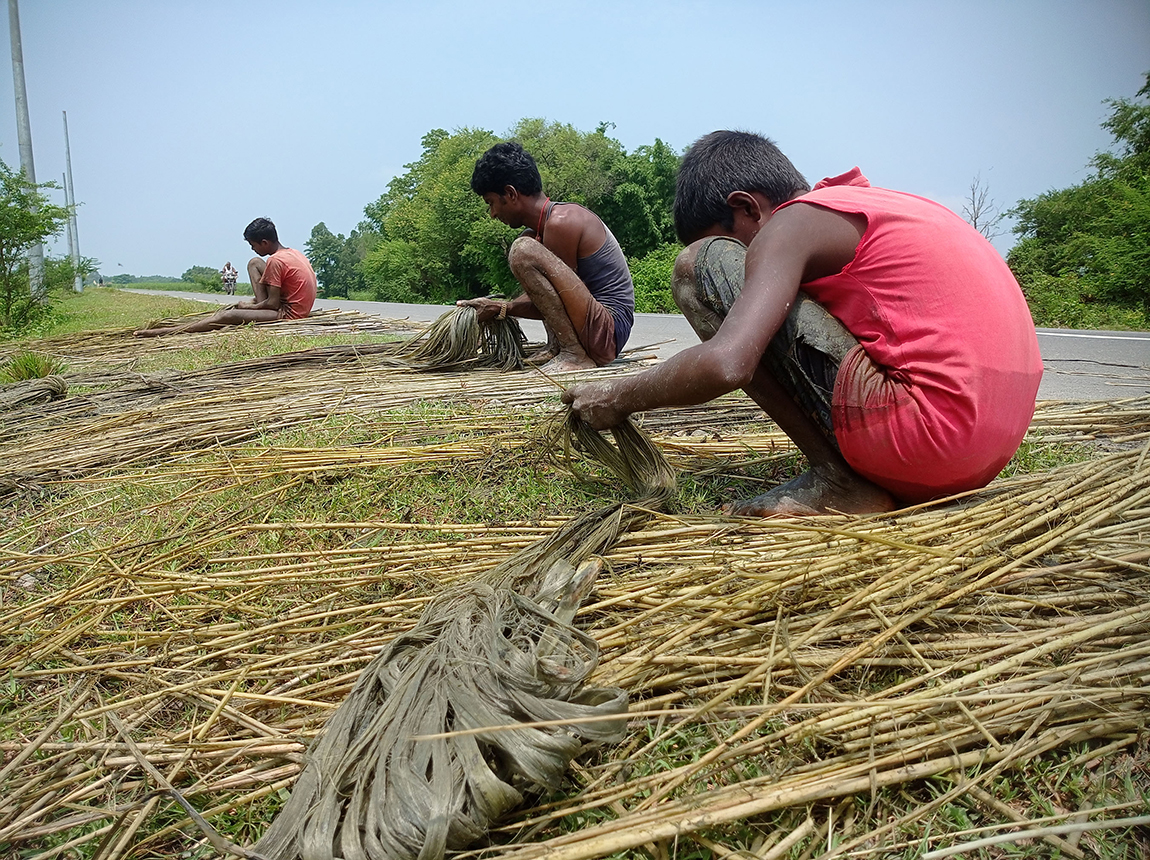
1083,255
428,238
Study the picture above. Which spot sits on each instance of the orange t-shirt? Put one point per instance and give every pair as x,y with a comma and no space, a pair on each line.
290,270
941,317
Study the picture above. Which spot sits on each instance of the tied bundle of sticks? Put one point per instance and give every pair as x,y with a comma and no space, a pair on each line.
32,391
425,753
457,339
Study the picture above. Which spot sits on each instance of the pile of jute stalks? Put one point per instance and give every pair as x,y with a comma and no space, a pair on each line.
828,687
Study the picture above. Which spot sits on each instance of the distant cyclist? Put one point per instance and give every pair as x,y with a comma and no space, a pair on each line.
229,276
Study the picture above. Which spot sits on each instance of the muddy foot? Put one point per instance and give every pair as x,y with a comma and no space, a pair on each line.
817,492
562,364
541,356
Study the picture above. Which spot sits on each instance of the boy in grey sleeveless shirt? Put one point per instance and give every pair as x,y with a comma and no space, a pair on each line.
572,270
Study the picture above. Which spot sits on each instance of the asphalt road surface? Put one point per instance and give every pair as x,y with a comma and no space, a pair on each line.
1080,365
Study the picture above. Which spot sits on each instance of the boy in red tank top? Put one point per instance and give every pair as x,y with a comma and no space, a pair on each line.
881,332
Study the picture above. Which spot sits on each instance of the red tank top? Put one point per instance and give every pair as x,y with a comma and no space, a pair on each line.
936,309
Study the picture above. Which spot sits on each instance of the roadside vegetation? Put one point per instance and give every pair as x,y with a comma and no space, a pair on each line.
1083,255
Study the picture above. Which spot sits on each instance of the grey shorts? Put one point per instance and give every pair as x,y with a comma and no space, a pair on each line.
804,355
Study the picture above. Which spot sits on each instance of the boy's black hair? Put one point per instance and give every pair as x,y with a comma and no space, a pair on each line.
506,164
726,161
260,229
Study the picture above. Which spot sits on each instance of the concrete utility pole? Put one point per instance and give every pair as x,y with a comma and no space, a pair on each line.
71,242
24,135
70,200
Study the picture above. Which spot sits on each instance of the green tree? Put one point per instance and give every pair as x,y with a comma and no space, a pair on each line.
203,276
652,276
1083,258
432,231
335,261
27,218
639,206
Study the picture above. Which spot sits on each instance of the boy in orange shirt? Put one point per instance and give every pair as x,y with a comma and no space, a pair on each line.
284,286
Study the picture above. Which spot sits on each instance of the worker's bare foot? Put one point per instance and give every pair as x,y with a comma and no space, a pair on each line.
564,363
541,356
817,491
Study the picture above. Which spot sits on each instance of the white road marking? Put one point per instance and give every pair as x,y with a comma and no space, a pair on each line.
1091,336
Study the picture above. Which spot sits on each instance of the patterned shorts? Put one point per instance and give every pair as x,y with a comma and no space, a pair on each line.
804,356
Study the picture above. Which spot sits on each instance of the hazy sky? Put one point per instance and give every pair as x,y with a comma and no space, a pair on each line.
188,118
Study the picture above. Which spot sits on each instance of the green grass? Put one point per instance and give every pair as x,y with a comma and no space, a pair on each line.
29,365
96,309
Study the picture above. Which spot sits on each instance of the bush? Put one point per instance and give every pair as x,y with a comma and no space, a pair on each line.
652,277
1065,302
204,277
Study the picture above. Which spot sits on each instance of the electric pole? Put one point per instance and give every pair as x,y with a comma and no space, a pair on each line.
24,135
70,201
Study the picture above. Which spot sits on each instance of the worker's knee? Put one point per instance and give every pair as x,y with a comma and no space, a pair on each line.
684,287
256,266
525,253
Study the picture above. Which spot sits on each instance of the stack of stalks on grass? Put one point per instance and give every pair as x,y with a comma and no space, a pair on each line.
776,670
140,417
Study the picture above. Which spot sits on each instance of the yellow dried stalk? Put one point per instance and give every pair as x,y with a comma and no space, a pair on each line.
770,600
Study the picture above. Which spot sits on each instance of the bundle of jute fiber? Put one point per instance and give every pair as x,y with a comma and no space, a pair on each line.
441,733
634,458
32,391
458,338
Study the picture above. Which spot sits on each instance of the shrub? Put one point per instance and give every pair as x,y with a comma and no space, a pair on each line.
652,277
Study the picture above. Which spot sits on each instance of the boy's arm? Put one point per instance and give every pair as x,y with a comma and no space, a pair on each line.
488,309
272,302
271,282
801,243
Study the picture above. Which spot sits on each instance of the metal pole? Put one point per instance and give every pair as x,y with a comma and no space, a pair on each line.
24,135
70,199
65,187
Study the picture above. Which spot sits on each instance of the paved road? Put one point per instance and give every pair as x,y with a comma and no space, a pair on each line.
1080,365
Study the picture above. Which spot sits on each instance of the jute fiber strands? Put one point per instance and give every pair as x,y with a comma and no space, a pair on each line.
822,658
17,394
458,339
430,748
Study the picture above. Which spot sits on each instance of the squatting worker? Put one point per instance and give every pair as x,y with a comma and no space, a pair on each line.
284,287
905,368
573,272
